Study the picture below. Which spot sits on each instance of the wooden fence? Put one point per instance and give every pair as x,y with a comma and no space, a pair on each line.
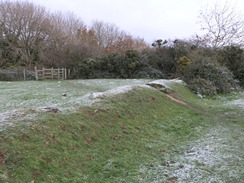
51,74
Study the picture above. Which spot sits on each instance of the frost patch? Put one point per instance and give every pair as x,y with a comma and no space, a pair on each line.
218,157
237,103
112,92
11,118
166,82
65,96
11,114
94,97
208,156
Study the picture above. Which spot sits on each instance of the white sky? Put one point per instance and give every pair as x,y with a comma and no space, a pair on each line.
148,19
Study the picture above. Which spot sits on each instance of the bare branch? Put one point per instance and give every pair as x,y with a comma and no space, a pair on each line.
223,25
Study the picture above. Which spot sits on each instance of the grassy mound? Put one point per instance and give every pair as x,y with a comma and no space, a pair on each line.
108,142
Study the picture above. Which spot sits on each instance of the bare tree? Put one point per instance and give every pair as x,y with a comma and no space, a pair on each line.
23,27
112,39
66,26
223,25
126,42
106,33
31,35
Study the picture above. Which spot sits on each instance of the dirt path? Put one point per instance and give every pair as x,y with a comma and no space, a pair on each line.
176,100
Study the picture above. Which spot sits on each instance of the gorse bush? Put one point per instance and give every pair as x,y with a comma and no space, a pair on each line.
131,64
208,77
233,58
202,86
119,65
183,64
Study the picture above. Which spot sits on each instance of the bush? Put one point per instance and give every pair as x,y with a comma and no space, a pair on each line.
208,78
183,64
131,64
202,86
148,72
233,58
163,59
86,68
118,65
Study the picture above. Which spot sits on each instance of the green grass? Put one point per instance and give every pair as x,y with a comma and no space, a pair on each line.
36,94
109,142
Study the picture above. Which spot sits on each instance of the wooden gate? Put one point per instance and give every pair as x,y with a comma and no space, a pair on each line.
51,74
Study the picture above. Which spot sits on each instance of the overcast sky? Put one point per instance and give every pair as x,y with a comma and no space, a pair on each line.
148,19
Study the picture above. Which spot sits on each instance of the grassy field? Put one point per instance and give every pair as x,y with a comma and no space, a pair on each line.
33,94
17,98
135,136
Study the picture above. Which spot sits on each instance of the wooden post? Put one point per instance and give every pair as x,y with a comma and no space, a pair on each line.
58,74
24,73
65,73
52,73
68,73
36,73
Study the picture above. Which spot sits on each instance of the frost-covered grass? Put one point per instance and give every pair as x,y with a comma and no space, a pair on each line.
38,94
218,156
235,100
17,98
100,143
137,134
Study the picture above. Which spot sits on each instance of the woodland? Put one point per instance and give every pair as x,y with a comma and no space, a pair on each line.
32,36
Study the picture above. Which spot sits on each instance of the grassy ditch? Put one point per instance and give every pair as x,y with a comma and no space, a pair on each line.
108,142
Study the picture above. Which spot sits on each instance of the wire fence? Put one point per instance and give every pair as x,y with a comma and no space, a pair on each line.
16,75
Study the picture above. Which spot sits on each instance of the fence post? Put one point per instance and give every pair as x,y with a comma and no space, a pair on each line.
52,73
24,73
36,73
68,73
58,74
61,74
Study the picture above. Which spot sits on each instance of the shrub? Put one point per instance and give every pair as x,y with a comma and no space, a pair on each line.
233,58
183,64
202,86
163,59
120,65
208,78
131,64
148,72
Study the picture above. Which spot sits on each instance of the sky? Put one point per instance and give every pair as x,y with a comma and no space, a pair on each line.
148,19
